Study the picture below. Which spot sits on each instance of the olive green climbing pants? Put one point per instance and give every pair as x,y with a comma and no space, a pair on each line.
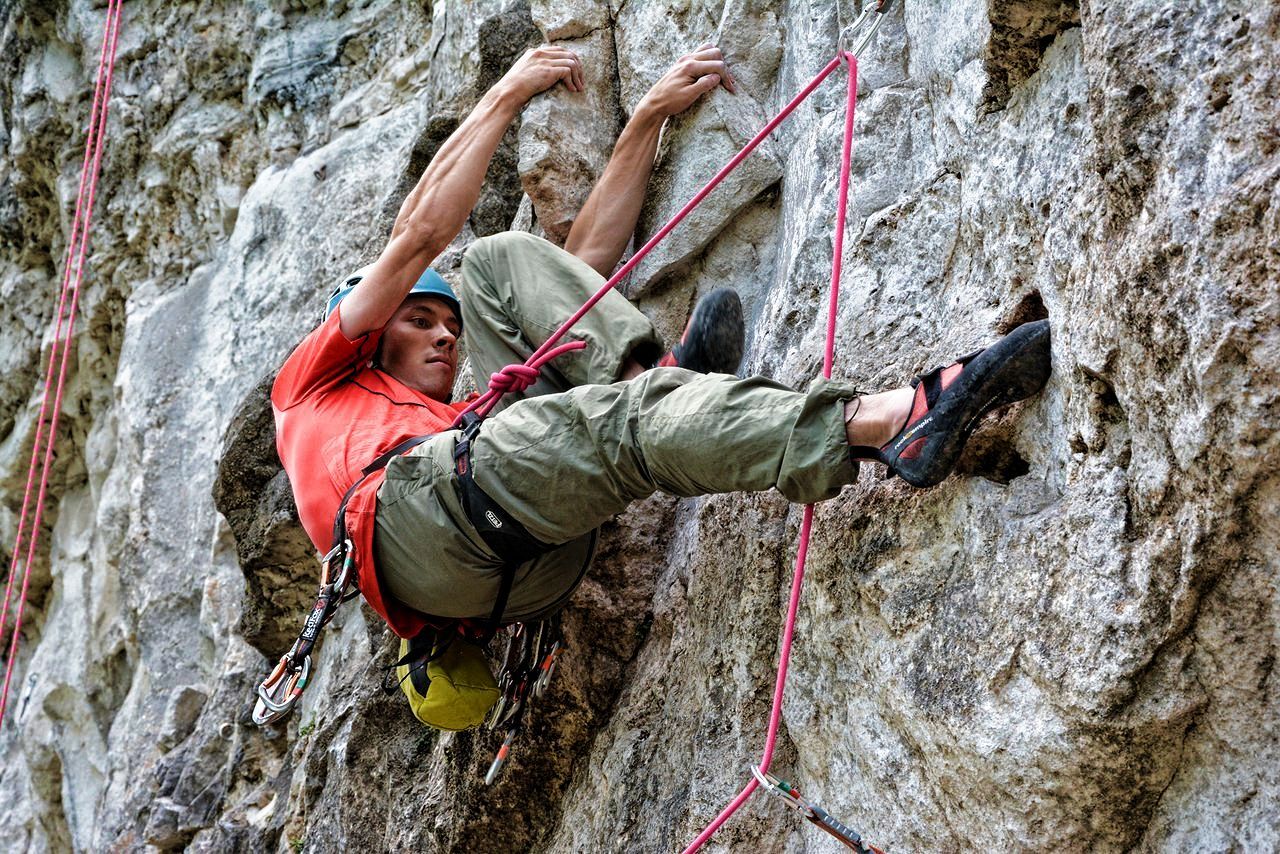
578,446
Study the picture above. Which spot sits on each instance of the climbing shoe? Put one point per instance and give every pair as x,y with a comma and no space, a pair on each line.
713,338
949,401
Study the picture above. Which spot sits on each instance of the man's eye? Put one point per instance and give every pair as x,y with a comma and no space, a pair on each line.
420,322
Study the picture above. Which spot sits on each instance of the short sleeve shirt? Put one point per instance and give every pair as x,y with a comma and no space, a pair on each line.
334,414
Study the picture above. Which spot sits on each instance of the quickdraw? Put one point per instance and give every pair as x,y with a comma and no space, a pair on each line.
279,692
528,663
825,821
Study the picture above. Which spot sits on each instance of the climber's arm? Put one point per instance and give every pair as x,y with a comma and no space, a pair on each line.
436,209
606,222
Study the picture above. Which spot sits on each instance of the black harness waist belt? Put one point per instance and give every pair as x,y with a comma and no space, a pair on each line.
500,531
509,539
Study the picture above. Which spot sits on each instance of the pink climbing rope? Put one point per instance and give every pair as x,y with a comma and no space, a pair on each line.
806,525
520,377
485,403
73,273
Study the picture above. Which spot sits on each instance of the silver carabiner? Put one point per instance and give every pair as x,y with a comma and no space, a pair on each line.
344,576
773,786
279,692
879,10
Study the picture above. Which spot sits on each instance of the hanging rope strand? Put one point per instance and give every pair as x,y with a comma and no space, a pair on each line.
91,134
72,281
518,377
806,525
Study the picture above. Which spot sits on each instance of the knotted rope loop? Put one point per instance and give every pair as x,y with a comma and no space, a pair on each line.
516,378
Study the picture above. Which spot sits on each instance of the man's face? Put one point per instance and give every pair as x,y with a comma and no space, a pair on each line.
419,346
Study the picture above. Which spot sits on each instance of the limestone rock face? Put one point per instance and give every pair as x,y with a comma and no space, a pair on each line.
566,137
1074,638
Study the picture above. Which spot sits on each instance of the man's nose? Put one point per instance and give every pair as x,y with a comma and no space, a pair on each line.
444,337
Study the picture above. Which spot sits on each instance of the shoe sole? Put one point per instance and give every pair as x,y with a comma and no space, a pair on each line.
715,337
1014,368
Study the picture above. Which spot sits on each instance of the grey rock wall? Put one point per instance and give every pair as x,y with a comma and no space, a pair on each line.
1070,645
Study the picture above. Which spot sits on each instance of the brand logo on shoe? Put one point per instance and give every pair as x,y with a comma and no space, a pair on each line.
493,518
907,436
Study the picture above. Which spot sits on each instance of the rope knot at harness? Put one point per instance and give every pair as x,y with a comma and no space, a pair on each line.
517,378
513,378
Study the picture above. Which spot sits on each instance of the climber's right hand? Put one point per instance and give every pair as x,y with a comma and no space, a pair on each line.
539,69
687,80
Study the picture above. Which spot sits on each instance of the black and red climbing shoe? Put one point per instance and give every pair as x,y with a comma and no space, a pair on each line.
950,400
713,338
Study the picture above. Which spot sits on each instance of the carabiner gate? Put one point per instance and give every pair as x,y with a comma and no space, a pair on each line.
280,691
345,548
879,10
774,786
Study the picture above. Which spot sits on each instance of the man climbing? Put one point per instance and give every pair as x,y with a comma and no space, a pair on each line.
602,426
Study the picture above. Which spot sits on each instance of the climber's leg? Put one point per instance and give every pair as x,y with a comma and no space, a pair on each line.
562,464
517,289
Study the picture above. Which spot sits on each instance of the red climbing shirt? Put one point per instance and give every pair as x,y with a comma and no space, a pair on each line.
335,414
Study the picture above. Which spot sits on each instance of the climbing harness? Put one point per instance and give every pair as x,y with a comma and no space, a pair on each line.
72,277
280,691
825,821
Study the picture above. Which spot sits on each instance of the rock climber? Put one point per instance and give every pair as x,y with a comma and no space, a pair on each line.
602,426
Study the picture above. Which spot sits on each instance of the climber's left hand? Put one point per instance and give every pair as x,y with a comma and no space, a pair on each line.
691,76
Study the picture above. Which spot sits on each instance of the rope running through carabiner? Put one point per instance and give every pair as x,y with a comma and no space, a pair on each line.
519,377
806,525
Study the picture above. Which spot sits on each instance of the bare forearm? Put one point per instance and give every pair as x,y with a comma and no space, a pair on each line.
434,212
431,216
450,185
604,226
